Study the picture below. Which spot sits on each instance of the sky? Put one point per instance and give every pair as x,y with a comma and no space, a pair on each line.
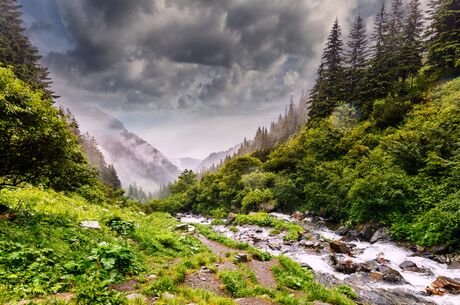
189,76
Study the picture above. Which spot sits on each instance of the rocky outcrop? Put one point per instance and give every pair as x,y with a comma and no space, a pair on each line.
339,247
380,235
443,285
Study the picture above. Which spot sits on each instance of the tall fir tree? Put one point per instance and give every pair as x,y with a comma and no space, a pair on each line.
356,60
443,56
16,49
395,39
411,51
330,88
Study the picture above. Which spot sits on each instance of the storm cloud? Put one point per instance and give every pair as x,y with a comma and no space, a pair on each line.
160,65
197,55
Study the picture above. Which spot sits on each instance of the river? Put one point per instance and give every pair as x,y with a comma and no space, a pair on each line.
316,256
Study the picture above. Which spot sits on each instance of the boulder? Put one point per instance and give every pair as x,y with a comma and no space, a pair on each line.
339,247
342,231
367,231
390,275
241,257
230,219
347,266
182,227
380,235
298,216
407,264
443,285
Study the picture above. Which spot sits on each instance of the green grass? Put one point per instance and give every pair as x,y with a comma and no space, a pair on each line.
44,251
294,231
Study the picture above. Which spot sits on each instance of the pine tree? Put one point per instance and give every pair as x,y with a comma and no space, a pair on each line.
411,51
395,39
444,38
329,86
17,51
356,59
379,77
380,30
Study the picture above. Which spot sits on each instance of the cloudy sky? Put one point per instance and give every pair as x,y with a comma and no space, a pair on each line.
189,76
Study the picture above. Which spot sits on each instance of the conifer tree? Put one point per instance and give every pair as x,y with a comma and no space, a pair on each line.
411,52
17,51
356,59
378,76
395,39
444,38
329,86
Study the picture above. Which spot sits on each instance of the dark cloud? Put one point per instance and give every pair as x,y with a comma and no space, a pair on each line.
39,26
197,54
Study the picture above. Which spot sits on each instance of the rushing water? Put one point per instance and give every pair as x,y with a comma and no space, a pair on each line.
362,252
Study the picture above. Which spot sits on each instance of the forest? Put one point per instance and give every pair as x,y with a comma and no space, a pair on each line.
376,141
381,141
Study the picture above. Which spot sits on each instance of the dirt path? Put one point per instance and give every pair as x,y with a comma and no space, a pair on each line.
263,272
253,301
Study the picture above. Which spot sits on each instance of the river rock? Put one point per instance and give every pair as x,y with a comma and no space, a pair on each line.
342,231
380,235
298,216
241,257
407,264
443,285
367,231
230,219
388,274
347,266
275,243
339,247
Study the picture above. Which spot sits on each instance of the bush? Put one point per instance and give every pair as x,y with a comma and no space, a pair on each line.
440,225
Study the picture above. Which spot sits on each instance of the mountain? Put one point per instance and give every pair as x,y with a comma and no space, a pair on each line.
187,163
135,160
216,158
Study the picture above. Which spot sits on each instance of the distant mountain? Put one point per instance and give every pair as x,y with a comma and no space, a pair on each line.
187,163
216,158
290,123
135,160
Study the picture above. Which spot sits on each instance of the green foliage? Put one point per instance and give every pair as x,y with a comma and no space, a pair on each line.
37,145
397,167
95,290
234,282
440,224
114,258
254,200
121,226
263,219
348,291
29,270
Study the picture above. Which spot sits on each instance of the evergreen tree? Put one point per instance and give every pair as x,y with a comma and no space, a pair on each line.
17,51
330,89
356,59
395,39
379,77
444,38
411,52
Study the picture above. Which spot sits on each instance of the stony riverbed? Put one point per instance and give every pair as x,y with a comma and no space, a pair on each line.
382,271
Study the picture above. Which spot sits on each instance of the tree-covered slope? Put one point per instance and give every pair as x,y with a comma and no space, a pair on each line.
400,167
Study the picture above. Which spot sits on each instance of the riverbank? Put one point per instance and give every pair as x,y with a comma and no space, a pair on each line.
382,272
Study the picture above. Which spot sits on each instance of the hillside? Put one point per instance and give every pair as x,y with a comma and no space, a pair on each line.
135,160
